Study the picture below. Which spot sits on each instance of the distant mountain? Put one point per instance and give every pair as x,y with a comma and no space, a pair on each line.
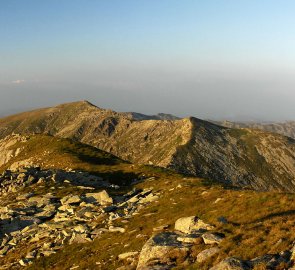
241,157
284,128
159,116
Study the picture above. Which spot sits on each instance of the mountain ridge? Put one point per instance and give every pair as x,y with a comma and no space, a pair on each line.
243,157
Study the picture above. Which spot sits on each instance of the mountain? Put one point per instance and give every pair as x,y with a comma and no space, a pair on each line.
68,205
159,116
284,128
240,157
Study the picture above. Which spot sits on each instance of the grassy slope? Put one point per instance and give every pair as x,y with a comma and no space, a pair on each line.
58,153
257,221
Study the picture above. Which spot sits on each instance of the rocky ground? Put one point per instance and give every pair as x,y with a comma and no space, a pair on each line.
47,222
72,207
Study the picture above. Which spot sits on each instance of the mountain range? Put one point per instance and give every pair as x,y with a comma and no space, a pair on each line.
234,154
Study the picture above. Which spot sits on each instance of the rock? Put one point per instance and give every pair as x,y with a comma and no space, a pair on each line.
191,224
190,238
218,200
22,263
25,196
47,253
206,254
79,238
159,249
102,198
70,199
31,255
128,255
116,229
149,198
273,261
109,209
222,220
212,238
231,264
80,229
160,228
4,250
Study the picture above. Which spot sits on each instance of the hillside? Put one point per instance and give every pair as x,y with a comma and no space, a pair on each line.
241,157
92,210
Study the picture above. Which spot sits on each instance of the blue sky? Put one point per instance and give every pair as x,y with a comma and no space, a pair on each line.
212,59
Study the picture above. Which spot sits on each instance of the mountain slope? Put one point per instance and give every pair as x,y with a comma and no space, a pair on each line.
240,157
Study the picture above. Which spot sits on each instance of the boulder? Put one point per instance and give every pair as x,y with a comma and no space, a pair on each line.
163,248
191,224
206,254
212,238
71,199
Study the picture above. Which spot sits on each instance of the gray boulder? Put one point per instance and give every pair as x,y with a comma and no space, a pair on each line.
159,249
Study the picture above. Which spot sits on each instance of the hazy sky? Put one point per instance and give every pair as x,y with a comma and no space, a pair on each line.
217,59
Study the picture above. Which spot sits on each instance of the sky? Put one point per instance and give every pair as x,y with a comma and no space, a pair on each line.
212,59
